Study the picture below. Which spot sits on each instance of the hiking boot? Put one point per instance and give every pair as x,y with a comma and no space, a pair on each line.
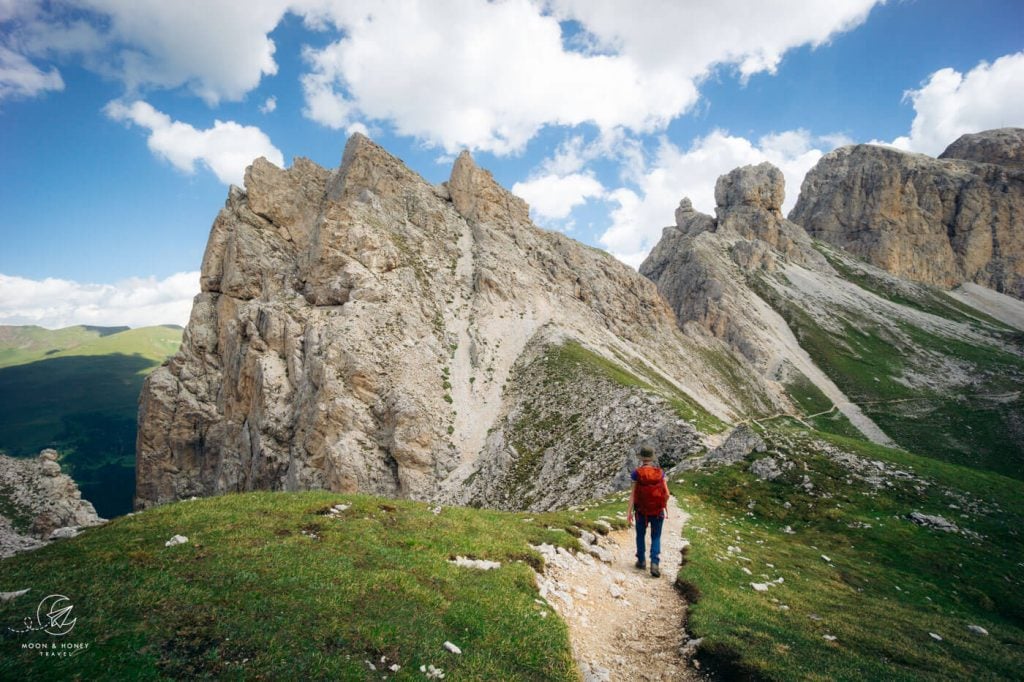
641,564
655,570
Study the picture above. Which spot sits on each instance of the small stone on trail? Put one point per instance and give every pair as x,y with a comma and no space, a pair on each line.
829,638
615,591
601,553
452,648
826,558
759,587
176,540
934,636
63,533
746,570
479,564
977,629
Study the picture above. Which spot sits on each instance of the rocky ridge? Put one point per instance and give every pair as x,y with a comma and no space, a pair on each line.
944,222
705,268
357,330
39,504
844,339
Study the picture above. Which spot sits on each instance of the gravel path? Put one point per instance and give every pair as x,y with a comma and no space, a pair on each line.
624,624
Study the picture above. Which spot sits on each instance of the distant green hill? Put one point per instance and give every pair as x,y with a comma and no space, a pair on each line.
76,390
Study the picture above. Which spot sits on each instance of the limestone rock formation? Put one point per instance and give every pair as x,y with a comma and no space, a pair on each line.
39,503
711,270
357,330
834,338
1003,146
946,221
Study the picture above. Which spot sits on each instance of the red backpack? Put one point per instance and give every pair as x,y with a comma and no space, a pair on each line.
651,497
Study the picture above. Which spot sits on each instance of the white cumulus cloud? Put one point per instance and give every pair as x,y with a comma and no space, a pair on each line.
552,197
691,36
643,210
269,105
950,104
226,149
136,302
490,75
220,49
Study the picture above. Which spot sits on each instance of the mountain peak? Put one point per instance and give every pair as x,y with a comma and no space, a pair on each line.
479,198
1002,146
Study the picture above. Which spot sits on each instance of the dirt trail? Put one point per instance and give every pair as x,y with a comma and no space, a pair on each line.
624,624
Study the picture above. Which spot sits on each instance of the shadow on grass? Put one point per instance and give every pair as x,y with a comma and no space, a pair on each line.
85,407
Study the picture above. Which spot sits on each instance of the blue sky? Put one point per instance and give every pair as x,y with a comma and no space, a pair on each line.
601,114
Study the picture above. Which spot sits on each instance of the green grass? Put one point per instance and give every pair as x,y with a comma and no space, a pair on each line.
251,597
22,345
568,357
866,361
889,582
918,296
811,401
76,390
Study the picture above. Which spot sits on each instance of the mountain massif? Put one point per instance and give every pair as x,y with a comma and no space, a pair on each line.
362,329
842,428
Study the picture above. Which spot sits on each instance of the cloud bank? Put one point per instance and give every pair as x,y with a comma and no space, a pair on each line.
137,302
453,75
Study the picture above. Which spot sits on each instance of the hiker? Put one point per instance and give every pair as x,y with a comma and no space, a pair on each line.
649,498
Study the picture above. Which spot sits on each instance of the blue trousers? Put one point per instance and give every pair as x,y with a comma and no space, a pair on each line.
641,536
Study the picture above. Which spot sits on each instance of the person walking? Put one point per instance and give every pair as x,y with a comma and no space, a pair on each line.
649,499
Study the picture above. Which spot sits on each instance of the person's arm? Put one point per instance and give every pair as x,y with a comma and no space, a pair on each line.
668,493
629,509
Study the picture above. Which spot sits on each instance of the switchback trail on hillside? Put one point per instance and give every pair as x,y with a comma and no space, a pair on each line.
624,624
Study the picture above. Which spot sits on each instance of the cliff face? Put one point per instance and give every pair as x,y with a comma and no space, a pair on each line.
946,221
357,330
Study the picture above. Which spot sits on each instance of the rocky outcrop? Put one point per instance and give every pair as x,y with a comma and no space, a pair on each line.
38,503
946,221
701,264
1003,146
714,273
571,431
357,328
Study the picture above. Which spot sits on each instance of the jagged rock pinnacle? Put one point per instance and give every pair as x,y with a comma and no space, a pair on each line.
479,198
